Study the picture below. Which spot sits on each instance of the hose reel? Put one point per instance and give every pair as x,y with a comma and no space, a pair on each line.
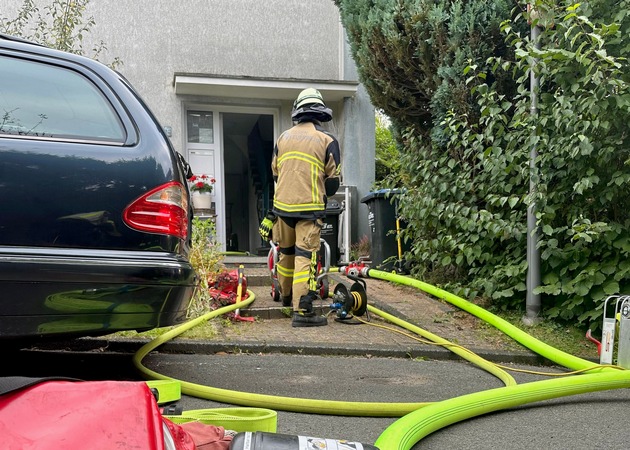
350,303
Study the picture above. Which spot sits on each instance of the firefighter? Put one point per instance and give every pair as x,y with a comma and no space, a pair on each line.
306,168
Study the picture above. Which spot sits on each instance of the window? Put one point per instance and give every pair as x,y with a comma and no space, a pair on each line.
200,128
39,100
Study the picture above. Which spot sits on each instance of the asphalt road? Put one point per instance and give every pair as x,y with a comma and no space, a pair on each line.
586,421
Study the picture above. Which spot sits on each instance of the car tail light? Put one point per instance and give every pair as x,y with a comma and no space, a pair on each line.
163,210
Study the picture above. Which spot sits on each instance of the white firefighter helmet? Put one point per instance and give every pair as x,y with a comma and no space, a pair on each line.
307,96
309,104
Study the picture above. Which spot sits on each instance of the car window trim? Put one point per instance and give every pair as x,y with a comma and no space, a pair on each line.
62,139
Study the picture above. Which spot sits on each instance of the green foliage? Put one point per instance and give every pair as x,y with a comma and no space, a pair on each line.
60,25
207,259
387,154
410,54
466,163
580,133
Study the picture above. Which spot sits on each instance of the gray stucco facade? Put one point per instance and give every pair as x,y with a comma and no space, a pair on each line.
241,61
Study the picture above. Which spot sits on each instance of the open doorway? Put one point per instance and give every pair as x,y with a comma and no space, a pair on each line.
248,141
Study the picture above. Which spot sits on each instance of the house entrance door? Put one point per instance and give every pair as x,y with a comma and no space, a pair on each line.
234,146
204,156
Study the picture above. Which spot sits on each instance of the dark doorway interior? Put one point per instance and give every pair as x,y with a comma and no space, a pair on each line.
248,145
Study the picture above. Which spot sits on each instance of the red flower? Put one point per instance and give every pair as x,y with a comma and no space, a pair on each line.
202,183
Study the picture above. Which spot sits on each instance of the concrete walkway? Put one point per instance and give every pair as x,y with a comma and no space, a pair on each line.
272,330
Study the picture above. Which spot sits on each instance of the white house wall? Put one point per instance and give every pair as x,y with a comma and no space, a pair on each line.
157,38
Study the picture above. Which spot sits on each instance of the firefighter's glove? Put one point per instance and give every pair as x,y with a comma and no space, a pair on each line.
266,226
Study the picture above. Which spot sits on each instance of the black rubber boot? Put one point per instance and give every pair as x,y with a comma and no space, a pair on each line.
306,302
287,301
305,316
301,319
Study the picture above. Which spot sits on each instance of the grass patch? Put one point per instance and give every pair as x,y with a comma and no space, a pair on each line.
208,330
567,338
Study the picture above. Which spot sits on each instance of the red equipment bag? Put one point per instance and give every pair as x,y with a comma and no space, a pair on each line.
70,415
224,289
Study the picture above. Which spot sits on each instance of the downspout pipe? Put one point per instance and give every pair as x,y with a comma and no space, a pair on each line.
532,300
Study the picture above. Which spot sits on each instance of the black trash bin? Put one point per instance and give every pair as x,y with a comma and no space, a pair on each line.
330,230
382,211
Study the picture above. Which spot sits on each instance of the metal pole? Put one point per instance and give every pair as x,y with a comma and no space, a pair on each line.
532,302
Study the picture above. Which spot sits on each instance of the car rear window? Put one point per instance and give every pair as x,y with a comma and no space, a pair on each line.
44,101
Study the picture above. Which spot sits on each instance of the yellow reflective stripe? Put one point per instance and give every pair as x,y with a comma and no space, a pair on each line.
314,192
297,208
284,271
300,277
312,283
302,157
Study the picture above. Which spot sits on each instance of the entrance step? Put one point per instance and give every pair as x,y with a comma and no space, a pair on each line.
256,270
258,279
247,259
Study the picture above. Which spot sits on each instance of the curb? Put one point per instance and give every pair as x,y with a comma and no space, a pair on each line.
185,346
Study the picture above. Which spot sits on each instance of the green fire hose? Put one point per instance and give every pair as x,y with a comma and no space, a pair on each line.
553,354
407,431
312,406
417,419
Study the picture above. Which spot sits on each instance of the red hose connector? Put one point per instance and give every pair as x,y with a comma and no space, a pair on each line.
356,269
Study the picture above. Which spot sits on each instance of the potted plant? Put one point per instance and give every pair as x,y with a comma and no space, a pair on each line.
201,187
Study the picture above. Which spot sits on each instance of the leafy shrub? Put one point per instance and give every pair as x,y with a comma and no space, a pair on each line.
461,105
581,171
387,162
207,259
59,24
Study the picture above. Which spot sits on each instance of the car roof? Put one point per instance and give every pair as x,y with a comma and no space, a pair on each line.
9,37
19,44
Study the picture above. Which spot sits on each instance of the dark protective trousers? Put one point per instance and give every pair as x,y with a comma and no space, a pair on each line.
299,242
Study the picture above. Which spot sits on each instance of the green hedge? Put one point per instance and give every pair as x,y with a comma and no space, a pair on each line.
454,78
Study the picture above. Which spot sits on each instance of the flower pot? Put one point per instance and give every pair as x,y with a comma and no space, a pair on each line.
202,200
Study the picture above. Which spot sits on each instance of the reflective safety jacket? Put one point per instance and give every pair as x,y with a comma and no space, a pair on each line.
305,163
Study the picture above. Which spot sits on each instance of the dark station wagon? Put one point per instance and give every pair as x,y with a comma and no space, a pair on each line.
94,205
